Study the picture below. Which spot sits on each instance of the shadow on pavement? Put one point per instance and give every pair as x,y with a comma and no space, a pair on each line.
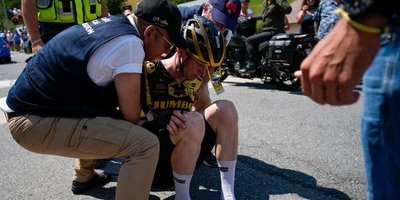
102,193
271,86
253,85
262,86
255,180
109,194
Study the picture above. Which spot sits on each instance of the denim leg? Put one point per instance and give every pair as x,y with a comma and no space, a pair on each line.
380,126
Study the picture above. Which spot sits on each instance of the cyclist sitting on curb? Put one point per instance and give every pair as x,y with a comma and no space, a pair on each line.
224,14
169,93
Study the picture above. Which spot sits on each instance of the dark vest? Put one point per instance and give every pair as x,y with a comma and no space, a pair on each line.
55,81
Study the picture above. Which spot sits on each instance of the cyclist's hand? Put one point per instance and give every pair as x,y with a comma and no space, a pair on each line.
176,122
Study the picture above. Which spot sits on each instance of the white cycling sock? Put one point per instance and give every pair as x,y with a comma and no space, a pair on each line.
182,186
227,173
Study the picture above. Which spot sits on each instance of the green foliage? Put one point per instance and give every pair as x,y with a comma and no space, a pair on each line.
5,22
9,4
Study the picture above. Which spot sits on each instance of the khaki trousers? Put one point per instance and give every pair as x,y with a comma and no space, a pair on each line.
94,138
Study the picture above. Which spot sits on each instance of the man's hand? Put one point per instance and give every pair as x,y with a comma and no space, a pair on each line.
176,122
336,65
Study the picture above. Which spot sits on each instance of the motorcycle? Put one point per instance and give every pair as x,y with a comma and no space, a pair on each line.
278,58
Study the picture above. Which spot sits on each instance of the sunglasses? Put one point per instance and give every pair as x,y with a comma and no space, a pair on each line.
171,44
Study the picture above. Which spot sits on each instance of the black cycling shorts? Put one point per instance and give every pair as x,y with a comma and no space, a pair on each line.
163,177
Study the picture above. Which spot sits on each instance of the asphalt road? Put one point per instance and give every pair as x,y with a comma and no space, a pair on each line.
289,148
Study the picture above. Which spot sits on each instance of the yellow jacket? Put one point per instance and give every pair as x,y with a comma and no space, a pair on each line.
68,11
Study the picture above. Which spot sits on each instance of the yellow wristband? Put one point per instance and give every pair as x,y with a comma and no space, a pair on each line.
359,26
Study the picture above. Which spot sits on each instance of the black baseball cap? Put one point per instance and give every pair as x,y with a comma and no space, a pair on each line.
164,14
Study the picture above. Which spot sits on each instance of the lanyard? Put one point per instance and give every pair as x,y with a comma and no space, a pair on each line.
147,110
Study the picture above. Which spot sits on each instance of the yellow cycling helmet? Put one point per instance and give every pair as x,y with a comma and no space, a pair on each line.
205,43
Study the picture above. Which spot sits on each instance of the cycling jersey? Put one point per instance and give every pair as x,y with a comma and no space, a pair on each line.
161,92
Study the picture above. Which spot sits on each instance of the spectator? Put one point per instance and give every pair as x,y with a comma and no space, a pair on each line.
10,39
336,65
17,41
26,43
306,15
274,13
245,11
247,20
325,17
224,13
44,21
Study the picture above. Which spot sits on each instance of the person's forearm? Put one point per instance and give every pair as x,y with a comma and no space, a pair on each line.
316,25
300,16
104,9
29,14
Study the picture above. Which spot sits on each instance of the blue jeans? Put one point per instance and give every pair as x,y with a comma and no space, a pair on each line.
380,126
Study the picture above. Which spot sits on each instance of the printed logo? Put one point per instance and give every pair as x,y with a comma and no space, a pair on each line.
191,87
160,21
179,180
223,169
175,90
88,28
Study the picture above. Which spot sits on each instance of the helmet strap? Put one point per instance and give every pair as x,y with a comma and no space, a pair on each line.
181,64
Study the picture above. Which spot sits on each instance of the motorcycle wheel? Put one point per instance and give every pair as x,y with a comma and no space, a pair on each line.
287,81
289,85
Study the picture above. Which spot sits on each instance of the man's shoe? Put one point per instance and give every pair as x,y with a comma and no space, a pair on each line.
249,69
211,161
99,179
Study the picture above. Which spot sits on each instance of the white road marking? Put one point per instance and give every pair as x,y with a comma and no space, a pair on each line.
6,83
2,118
